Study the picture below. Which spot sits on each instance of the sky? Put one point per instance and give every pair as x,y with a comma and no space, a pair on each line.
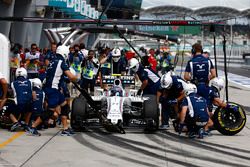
196,4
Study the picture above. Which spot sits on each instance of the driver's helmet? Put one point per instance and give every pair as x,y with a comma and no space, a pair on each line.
116,90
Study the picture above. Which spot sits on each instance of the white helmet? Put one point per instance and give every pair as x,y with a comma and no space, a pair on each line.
166,81
21,72
190,88
116,54
134,64
36,82
63,50
218,83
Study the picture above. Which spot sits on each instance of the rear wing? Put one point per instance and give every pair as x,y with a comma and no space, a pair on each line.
126,80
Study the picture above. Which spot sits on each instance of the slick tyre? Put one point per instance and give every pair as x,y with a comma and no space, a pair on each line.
229,122
151,113
79,113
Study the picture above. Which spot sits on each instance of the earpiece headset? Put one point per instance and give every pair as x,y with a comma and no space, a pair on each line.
193,51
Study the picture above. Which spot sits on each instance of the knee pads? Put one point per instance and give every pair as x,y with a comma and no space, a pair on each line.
65,110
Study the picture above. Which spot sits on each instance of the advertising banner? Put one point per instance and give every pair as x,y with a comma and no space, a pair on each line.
83,7
70,3
172,30
58,3
88,10
77,6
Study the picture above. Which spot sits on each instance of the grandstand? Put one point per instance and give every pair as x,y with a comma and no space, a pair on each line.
235,16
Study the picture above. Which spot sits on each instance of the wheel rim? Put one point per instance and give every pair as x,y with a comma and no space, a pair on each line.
231,119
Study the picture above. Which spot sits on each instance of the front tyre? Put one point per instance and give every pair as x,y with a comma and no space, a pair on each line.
229,122
151,113
78,113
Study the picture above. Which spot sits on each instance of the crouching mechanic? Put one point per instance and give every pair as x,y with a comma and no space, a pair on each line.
54,78
213,98
194,113
150,80
38,97
169,95
22,89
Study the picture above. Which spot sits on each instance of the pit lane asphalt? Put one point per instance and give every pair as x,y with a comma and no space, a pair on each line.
96,147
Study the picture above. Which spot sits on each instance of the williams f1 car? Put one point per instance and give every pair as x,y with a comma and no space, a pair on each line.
116,107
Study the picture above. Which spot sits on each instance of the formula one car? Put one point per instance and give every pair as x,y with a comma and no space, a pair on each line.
116,107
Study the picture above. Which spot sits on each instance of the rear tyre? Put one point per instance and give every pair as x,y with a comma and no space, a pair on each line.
227,121
79,113
151,113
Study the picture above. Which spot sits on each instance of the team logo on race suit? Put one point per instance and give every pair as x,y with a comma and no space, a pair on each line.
200,67
198,99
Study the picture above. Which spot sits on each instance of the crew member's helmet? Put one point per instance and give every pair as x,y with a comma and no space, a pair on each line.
21,72
63,51
134,64
218,83
190,88
166,81
36,82
116,54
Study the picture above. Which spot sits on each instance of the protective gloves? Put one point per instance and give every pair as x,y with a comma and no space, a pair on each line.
235,108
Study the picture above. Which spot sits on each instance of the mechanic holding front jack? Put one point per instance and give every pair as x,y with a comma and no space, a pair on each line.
150,80
170,95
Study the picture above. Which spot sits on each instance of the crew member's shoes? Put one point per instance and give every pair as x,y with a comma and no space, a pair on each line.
67,132
207,133
163,127
15,126
191,135
201,133
33,131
